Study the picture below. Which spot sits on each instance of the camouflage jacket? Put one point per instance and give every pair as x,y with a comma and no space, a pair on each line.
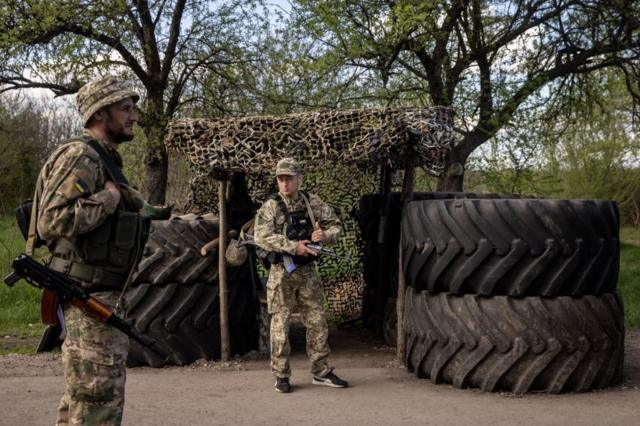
270,221
71,194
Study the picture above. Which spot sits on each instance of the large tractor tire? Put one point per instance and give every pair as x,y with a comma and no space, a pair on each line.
514,247
179,306
184,320
172,253
501,343
380,258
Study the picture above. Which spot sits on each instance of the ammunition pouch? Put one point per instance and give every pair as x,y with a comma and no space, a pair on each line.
114,242
107,254
298,228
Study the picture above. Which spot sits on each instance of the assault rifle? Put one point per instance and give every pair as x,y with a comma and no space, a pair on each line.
287,260
42,277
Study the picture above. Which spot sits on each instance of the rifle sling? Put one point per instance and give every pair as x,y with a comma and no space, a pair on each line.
31,237
107,161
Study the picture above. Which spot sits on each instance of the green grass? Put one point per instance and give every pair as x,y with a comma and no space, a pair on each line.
629,279
630,234
20,304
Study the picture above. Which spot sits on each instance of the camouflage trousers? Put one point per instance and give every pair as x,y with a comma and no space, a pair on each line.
284,292
94,357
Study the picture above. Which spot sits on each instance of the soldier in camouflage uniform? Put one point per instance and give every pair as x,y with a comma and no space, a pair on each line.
302,286
81,212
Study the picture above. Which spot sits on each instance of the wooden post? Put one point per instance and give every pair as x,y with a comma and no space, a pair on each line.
407,194
383,267
222,273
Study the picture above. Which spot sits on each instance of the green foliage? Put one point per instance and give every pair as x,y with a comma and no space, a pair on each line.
167,48
597,144
630,235
629,282
583,145
28,132
20,304
487,60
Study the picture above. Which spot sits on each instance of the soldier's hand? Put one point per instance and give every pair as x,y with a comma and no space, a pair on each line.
133,193
303,250
318,235
113,189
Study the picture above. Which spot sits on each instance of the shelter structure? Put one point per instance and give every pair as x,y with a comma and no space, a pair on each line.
346,155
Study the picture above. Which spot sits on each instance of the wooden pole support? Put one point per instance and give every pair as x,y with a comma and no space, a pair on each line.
407,194
225,349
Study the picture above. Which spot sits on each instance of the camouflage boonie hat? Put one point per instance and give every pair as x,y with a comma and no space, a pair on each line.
288,166
101,93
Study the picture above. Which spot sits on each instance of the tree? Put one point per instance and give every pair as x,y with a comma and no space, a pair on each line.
596,146
29,131
484,58
164,45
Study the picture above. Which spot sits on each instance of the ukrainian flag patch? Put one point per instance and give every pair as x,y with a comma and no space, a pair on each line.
81,186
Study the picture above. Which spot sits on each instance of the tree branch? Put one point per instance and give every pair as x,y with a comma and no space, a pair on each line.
149,46
174,34
88,32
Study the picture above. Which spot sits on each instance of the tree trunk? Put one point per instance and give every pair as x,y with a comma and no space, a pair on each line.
157,163
453,178
450,183
156,174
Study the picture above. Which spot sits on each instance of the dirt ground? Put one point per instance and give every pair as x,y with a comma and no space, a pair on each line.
381,392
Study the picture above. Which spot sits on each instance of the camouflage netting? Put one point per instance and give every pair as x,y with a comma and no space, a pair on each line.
343,153
365,138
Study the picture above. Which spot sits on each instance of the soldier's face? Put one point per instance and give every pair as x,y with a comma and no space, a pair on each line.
120,119
289,185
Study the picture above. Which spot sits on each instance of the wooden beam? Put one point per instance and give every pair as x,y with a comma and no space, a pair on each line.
408,184
225,349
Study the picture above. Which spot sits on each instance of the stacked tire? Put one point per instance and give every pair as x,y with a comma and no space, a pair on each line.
380,254
513,295
174,297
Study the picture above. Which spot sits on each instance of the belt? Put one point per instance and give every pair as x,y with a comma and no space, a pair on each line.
99,276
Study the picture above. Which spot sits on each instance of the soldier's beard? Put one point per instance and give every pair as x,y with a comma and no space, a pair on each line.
115,134
119,137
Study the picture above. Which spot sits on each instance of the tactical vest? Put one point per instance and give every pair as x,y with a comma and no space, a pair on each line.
297,227
103,258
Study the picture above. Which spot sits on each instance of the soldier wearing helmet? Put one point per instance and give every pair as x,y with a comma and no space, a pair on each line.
284,224
94,237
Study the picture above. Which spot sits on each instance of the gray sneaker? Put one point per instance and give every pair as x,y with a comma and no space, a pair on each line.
330,380
283,385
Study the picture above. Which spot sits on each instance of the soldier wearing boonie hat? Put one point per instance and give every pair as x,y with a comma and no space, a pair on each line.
78,205
101,93
284,224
